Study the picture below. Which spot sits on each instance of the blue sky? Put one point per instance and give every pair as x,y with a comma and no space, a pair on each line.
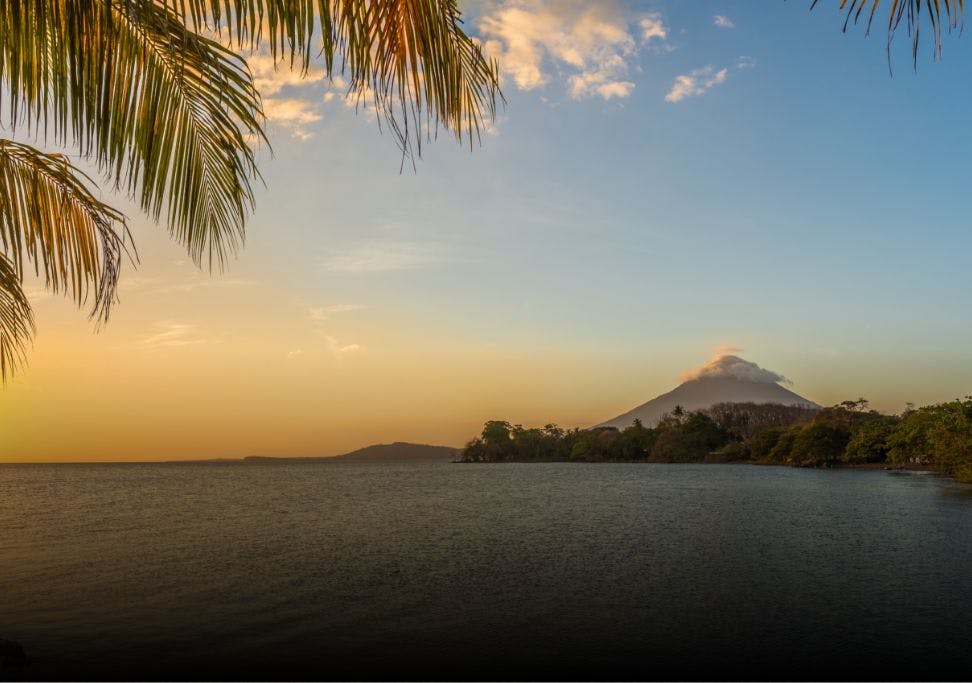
793,200
807,206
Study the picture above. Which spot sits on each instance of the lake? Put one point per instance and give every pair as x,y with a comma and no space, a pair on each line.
494,571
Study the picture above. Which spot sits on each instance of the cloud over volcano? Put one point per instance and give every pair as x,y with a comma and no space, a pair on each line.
726,378
725,365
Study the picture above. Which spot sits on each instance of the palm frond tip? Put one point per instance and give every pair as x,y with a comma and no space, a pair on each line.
50,219
166,113
942,15
16,320
410,59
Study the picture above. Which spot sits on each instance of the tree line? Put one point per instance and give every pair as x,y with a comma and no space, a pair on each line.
937,436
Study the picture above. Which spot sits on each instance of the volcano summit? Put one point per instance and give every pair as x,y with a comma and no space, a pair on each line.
726,379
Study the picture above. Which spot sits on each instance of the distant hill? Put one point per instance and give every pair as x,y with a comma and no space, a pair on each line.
728,379
401,451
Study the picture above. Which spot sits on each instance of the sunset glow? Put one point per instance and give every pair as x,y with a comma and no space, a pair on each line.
666,179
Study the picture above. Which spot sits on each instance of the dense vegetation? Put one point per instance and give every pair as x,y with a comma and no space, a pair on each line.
937,437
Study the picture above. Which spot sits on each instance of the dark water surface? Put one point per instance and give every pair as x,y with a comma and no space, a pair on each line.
442,571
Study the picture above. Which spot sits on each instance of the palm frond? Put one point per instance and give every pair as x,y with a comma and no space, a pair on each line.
410,59
942,15
168,114
16,320
50,219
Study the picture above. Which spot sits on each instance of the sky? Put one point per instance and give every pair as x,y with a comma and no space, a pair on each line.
666,179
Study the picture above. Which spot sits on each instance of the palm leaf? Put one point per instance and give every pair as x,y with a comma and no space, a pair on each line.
167,114
16,320
50,219
940,14
410,59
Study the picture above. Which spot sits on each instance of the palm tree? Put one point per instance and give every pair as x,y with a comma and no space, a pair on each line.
155,94
910,14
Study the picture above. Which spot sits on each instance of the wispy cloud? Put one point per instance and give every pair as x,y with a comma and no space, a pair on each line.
270,78
293,114
722,21
695,83
169,333
321,313
200,282
361,99
653,28
343,308
296,111
38,293
745,62
157,285
725,350
317,313
378,256
592,44
339,349
133,284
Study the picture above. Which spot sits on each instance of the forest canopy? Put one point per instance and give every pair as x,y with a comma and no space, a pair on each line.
937,437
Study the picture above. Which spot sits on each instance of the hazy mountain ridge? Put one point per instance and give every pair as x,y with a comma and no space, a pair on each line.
399,451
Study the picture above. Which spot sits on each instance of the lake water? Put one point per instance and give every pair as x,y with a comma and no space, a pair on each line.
518,571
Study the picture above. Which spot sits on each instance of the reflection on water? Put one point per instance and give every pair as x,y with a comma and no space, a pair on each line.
341,570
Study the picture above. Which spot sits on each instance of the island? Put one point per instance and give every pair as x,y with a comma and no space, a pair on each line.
935,437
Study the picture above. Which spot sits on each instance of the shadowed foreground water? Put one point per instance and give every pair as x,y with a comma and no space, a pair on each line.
442,571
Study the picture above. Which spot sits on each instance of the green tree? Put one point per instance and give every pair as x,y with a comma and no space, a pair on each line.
690,440
148,92
782,450
869,443
909,443
761,446
596,445
818,444
636,441
496,431
950,438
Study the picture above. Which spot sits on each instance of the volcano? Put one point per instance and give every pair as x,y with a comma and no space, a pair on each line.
726,379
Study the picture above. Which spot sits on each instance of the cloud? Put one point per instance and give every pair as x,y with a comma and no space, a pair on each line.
724,365
745,62
294,353
270,78
343,308
360,99
321,313
652,27
695,83
379,256
339,349
37,293
171,334
134,283
723,22
201,282
296,111
317,313
293,114
591,44
725,350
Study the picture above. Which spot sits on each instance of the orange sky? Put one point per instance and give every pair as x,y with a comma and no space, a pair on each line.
660,184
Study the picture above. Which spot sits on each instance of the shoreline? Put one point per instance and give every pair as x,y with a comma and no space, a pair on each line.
870,466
